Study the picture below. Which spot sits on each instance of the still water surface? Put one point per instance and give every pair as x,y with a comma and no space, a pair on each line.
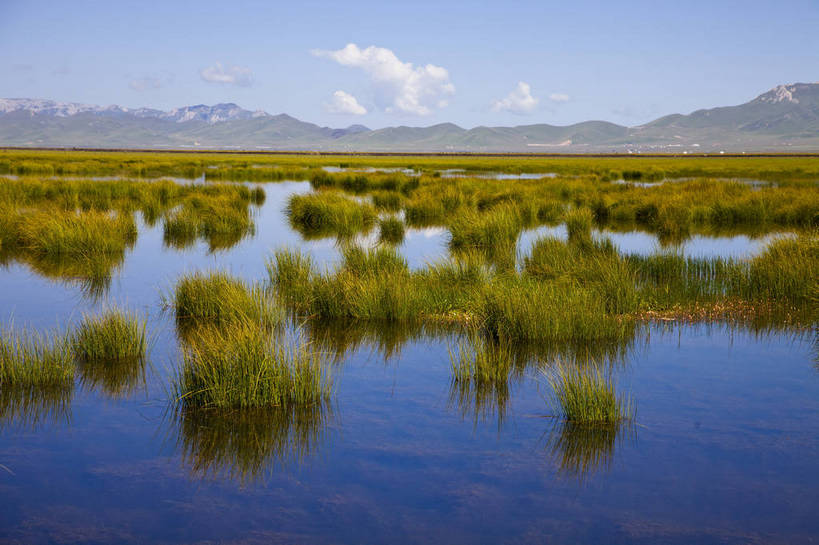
725,448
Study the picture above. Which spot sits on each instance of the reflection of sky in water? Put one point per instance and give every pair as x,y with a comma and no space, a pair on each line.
725,447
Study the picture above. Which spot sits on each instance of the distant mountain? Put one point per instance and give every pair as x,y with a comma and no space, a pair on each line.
786,118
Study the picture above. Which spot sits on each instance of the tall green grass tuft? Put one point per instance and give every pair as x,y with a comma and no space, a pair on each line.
217,298
578,224
56,233
111,337
31,360
496,228
240,366
586,395
329,213
36,378
390,230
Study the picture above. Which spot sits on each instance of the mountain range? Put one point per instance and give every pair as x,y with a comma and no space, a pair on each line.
786,118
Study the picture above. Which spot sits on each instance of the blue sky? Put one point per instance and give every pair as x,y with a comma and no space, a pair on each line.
413,63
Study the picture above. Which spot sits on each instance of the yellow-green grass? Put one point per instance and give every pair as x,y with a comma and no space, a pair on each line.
241,365
217,298
226,164
113,336
329,213
36,377
390,230
586,395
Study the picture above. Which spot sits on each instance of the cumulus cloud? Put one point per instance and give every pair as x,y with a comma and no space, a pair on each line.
559,97
227,75
399,86
519,101
345,103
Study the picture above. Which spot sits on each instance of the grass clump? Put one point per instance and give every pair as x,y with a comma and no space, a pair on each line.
113,336
36,378
31,360
390,230
586,395
242,366
329,213
217,298
57,233
496,228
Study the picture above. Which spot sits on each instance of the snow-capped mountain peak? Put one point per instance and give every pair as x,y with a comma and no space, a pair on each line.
200,112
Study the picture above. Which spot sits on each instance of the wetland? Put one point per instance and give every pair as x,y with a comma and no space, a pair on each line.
200,348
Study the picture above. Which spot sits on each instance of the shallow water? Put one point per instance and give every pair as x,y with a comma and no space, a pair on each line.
725,448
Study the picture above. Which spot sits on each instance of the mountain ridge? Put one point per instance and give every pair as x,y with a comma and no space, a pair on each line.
785,117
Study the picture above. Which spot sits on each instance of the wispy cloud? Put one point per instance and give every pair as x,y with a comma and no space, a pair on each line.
227,75
559,97
519,101
144,84
399,86
345,103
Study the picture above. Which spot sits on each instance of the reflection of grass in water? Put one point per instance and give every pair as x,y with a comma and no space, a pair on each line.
36,377
115,378
245,444
92,274
111,352
480,377
341,337
34,407
582,450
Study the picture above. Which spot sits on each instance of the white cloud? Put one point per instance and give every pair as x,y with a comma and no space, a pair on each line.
229,74
400,86
519,101
143,84
345,103
559,97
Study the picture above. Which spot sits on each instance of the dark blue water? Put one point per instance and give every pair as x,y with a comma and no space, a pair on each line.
725,448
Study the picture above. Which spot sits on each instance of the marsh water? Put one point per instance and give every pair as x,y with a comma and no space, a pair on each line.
724,448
